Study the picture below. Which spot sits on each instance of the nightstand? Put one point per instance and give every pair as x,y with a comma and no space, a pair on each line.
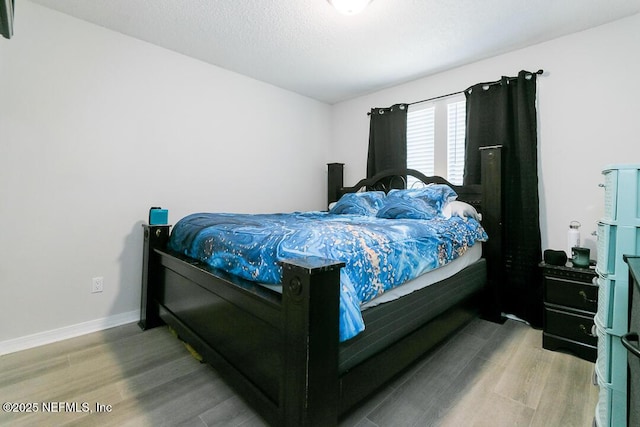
570,304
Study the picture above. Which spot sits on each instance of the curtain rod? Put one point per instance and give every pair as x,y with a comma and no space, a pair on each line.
463,91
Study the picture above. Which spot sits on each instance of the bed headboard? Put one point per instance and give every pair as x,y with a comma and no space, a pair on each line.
397,178
484,196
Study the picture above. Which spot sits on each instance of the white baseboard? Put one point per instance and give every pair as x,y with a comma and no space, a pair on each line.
48,337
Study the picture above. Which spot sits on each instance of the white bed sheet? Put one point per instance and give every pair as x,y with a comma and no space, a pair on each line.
472,255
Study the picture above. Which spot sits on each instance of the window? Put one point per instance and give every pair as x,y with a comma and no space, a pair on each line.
420,141
456,121
435,138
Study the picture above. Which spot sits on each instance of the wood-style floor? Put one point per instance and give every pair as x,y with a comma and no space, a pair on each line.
487,375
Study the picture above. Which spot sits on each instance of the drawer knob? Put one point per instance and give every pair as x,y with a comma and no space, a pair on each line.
586,331
583,294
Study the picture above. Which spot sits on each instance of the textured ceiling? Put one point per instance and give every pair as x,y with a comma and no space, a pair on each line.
307,47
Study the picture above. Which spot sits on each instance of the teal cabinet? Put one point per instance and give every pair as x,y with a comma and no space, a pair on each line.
618,235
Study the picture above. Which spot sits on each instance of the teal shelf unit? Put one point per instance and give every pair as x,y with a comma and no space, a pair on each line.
618,235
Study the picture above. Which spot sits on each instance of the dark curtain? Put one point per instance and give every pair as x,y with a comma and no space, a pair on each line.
504,113
387,139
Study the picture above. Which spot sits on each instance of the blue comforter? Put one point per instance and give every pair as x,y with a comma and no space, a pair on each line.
379,253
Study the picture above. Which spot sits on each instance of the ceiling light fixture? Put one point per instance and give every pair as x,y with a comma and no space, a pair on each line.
349,7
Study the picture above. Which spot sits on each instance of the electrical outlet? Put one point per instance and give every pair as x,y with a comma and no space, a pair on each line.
97,284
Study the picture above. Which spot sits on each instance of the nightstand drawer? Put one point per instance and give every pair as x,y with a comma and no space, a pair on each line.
569,293
573,326
570,304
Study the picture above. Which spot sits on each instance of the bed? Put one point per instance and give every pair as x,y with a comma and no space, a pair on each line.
282,349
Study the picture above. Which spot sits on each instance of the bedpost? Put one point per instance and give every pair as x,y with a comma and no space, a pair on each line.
335,181
311,299
155,236
491,173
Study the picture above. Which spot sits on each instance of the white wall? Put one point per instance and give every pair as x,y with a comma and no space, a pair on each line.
588,117
96,127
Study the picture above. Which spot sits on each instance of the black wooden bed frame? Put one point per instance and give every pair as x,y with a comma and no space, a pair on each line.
280,351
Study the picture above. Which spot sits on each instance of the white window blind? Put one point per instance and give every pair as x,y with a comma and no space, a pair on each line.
436,139
420,141
456,120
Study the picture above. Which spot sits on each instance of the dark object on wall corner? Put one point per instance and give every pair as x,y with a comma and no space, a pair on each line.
552,257
6,18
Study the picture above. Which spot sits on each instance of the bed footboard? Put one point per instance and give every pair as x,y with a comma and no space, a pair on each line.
279,351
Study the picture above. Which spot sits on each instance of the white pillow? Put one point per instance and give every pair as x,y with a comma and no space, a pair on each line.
461,209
